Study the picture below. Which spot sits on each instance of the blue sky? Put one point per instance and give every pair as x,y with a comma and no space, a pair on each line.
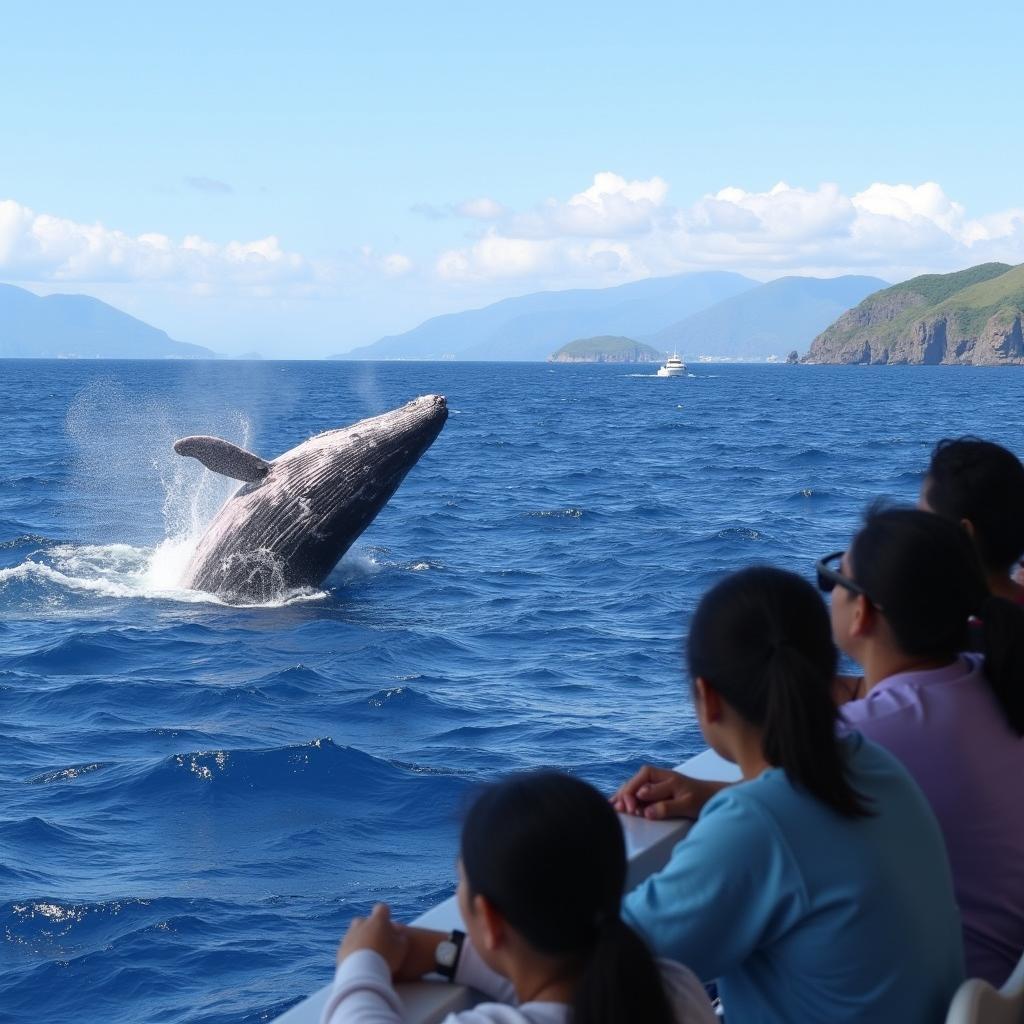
298,179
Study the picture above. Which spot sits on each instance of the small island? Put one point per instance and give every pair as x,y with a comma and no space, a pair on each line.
606,349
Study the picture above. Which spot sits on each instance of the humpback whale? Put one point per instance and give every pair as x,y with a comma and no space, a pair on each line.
295,516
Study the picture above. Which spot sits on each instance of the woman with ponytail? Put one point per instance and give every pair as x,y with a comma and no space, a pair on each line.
817,889
908,599
542,869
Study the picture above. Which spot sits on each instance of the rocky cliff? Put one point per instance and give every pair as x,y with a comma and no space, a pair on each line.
970,317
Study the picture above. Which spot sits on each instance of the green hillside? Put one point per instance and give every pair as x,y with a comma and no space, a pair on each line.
935,288
972,316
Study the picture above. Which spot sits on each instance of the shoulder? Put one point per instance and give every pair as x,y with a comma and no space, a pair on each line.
882,703
866,757
687,996
745,826
754,808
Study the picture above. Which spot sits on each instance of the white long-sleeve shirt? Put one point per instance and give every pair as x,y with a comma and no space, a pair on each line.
364,994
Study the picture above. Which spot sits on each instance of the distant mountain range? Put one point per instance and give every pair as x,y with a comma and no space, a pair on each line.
710,313
772,319
533,326
973,316
77,326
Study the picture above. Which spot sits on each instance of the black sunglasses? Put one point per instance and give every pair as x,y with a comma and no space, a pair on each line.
829,578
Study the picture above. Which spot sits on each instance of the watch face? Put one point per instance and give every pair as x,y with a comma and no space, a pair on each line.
446,953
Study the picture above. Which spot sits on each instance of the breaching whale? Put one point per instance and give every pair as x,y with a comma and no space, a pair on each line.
294,517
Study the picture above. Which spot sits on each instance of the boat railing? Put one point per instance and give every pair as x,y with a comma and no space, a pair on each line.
648,845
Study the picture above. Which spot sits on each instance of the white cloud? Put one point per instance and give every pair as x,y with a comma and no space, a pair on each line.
396,264
481,208
926,202
611,207
41,247
617,230
392,264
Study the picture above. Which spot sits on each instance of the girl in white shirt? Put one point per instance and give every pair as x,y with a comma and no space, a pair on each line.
541,875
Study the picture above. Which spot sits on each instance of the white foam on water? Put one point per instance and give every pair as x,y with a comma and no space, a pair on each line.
125,462
127,572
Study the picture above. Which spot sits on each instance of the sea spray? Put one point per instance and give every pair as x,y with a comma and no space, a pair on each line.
124,459
126,469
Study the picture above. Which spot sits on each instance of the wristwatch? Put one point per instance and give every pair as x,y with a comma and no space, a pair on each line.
447,954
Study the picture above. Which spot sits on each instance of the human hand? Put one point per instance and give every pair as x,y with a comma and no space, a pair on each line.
659,793
846,688
379,933
420,952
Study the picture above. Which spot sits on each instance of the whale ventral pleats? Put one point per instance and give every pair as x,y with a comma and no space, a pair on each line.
220,456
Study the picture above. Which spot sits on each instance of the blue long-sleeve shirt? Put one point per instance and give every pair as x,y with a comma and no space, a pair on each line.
804,915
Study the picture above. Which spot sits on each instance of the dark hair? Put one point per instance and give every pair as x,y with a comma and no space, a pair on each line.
980,481
547,851
763,640
925,573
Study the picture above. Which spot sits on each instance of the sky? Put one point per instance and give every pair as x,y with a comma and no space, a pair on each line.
300,179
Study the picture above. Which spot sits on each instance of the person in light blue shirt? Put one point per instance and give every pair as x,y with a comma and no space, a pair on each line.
818,888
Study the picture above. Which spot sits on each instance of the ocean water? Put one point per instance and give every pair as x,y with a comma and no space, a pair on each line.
196,798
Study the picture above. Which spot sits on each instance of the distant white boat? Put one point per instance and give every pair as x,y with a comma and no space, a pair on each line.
674,367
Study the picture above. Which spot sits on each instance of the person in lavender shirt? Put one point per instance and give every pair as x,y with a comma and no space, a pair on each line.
980,485
909,598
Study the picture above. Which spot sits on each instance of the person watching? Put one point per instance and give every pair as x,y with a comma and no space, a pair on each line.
980,485
817,889
910,600
542,869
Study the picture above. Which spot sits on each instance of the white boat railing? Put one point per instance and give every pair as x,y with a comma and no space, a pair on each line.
648,846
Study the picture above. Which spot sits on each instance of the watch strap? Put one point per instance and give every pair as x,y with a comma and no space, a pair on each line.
456,938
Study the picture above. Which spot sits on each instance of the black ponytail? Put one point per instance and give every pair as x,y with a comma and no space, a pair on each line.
547,851
1002,643
621,981
762,639
925,574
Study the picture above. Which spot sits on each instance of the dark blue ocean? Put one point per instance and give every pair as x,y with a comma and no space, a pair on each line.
195,798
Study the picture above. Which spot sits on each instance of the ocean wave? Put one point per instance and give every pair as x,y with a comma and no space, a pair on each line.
26,540
295,681
318,768
560,513
68,774
405,699
36,829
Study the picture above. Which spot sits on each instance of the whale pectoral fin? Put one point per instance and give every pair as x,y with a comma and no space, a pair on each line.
220,456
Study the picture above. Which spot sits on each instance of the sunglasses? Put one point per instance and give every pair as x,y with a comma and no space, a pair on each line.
829,578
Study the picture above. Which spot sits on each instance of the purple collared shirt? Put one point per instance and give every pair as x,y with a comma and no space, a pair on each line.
947,728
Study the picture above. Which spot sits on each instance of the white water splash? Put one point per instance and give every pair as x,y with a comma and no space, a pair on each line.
128,480
127,572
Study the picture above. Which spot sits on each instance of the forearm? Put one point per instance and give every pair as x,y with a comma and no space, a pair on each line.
362,992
